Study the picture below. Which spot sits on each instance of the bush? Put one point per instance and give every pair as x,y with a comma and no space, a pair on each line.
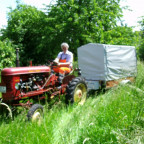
8,56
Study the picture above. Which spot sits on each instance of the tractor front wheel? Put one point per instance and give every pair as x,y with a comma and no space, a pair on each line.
35,113
5,111
76,91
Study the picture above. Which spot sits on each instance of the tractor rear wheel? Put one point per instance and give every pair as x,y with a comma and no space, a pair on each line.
35,113
76,91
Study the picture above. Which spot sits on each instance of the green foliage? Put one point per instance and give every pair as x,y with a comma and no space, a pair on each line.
121,35
39,34
116,116
80,22
141,48
25,27
8,56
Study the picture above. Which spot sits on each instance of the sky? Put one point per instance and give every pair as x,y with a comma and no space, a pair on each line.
137,10
130,17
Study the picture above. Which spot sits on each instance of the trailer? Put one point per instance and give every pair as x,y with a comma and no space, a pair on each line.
104,65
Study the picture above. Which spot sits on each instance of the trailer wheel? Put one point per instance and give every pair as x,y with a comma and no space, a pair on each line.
76,91
35,113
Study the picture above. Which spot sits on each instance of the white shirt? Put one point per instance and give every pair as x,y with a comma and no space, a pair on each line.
68,56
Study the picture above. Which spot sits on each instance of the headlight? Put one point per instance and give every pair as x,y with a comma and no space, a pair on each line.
17,86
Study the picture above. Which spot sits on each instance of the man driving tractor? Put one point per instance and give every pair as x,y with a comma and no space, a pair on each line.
64,62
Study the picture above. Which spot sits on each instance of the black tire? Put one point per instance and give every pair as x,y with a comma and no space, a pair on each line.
35,113
76,91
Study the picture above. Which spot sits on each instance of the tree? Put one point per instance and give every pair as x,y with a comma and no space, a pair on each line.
121,35
76,22
79,22
25,29
141,48
8,56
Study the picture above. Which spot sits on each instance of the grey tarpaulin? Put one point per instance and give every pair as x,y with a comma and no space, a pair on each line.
107,62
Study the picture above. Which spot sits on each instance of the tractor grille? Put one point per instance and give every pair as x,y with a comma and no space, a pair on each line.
9,83
9,87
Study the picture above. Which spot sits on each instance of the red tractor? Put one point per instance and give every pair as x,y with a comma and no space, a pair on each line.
21,84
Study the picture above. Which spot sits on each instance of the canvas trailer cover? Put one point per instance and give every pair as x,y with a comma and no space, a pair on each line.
102,62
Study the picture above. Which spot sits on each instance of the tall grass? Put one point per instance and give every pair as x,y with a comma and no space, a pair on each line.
116,116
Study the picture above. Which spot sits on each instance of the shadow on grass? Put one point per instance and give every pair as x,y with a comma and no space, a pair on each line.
93,93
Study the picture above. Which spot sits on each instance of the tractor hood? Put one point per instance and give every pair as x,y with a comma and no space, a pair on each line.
25,70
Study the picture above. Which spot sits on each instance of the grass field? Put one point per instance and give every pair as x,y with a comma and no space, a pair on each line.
116,116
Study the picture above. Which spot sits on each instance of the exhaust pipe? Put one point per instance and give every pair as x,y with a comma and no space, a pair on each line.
17,57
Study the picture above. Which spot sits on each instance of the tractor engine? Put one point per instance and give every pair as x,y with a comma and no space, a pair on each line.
34,82
19,82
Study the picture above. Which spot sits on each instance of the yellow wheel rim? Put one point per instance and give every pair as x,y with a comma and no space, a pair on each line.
37,116
80,94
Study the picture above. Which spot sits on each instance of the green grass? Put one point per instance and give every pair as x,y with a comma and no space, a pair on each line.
116,116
